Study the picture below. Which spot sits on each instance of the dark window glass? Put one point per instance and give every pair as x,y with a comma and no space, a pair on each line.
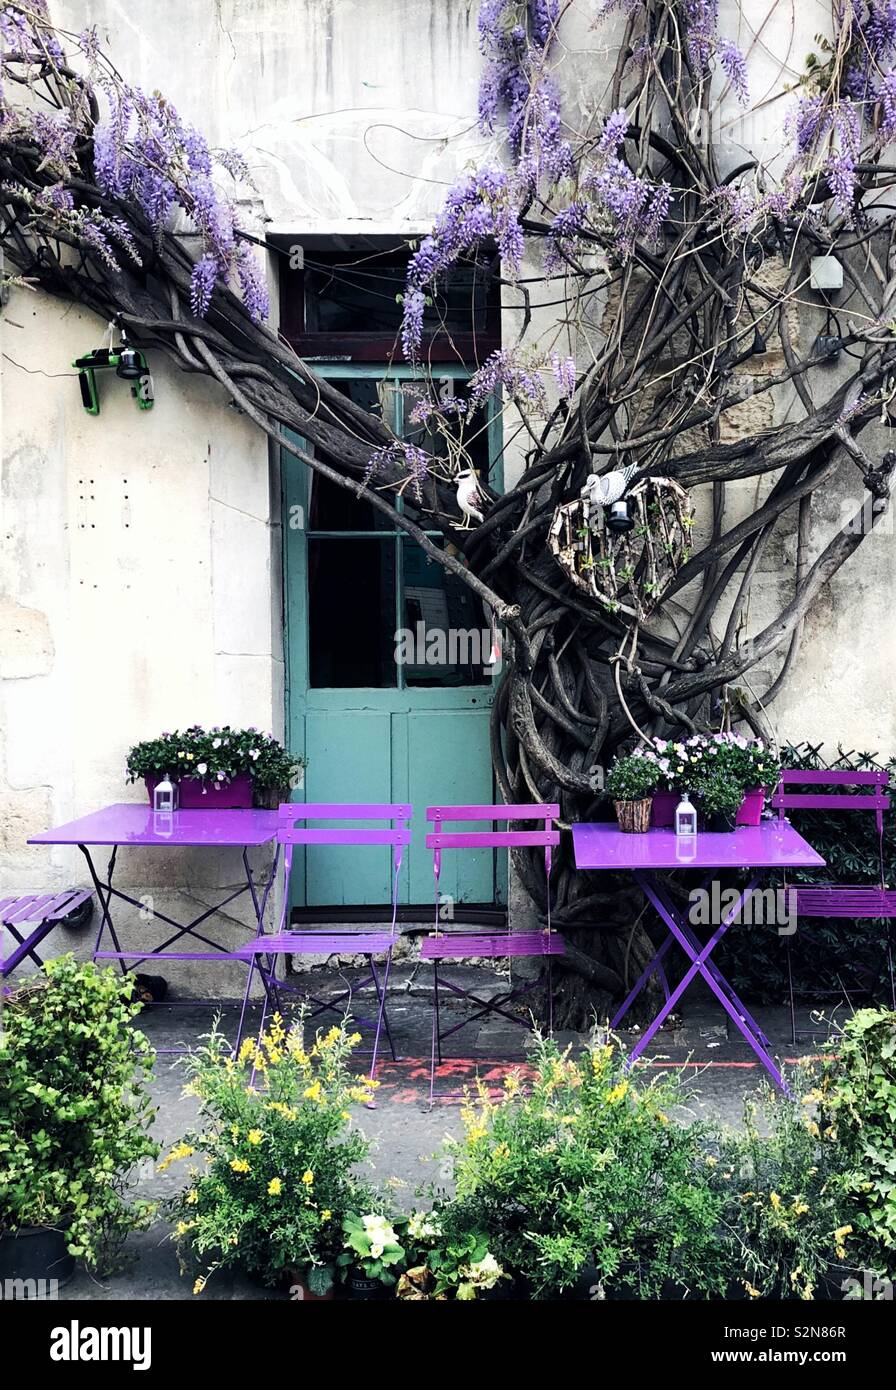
450,634
351,613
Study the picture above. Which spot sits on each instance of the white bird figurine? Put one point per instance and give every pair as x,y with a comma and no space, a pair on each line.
470,498
604,490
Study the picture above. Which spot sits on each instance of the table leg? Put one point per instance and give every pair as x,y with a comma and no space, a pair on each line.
698,966
104,892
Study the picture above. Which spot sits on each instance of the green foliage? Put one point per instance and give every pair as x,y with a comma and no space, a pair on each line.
721,795
371,1244
859,1106
631,778
586,1169
784,1213
75,1113
215,755
278,1178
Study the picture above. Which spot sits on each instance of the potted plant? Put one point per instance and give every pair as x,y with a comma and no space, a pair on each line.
584,1177
754,767
456,1263
371,1257
630,783
216,768
788,1221
279,1152
720,797
74,1122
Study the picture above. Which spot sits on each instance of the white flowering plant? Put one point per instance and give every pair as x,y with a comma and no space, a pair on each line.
372,1245
216,756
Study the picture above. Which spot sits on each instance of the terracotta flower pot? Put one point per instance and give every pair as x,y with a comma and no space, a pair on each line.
633,816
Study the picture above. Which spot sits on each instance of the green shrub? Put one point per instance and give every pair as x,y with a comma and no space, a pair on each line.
215,756
75,1110
858,1102
588,1170
784,1214
278,1180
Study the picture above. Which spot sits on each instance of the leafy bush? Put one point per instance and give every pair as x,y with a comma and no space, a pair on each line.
784,1213
215,756
721,795
858,1104
631,778
75,1112
278,1181
587,1170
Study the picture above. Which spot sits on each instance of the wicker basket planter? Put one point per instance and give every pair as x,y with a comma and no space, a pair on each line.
634,816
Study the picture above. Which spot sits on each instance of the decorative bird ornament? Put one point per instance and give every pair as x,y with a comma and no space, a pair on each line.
605,489
470,497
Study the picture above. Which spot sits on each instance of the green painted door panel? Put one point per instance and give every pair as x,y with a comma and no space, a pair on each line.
448,761
349,760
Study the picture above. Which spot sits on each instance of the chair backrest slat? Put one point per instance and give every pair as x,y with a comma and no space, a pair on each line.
472,839
291,833
876,800
524,811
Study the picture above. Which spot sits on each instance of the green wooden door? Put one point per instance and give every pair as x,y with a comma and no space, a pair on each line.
374,728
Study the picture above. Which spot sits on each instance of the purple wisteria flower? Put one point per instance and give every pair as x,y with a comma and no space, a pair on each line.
414,461
735,68
564,369
519,376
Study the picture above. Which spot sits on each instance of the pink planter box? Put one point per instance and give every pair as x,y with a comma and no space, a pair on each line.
662,813
750,812
194,795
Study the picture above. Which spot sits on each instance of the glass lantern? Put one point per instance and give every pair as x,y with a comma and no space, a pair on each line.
685,817
164,796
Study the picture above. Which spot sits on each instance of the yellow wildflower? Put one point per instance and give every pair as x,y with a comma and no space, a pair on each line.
275,1187
179,1151
501,1151
307,1177
199,1285
239,1165
247,1050
798,1207
326,1215
354,1039
255,1136
775,1200
754,1293
314,1092
618,1093
192,1197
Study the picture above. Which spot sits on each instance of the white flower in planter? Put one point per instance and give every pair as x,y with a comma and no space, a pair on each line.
254,754
216,743
202,769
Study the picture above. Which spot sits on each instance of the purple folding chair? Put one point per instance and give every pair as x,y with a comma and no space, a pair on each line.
31,917
493,945
855,902
264,952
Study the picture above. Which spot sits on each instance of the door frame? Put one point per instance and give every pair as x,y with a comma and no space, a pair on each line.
301,699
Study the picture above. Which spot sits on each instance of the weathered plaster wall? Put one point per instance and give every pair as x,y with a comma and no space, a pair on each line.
140,584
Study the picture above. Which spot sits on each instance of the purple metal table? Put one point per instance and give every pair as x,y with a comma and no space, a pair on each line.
131,824
770,845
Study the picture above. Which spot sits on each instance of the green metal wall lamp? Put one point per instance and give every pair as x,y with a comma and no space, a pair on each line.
129,364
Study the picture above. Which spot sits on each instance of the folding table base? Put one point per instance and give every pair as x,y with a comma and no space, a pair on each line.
701,964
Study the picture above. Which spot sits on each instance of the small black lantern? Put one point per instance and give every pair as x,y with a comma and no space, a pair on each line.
619,516
131,363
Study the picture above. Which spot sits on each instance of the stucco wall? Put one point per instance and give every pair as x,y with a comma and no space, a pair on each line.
140,565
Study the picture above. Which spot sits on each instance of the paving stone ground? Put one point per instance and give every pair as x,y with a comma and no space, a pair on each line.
719,1071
